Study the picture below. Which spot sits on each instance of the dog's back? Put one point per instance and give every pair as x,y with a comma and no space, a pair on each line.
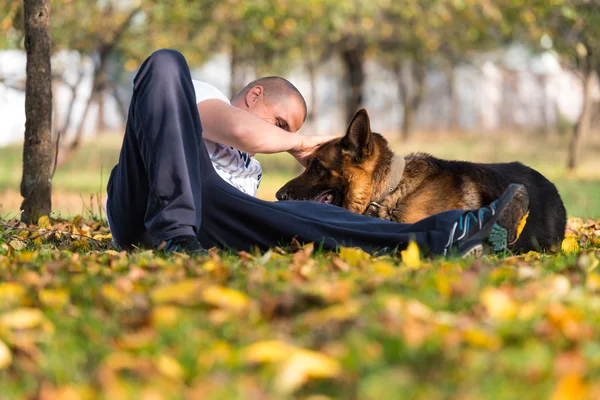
546,223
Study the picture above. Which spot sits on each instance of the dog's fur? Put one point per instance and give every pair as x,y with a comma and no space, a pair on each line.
355,170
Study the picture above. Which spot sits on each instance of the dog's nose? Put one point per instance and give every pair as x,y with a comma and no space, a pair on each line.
282,194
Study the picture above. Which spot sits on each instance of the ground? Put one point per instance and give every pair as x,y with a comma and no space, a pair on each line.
80,320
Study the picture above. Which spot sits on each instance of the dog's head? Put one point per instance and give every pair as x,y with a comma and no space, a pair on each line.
341,172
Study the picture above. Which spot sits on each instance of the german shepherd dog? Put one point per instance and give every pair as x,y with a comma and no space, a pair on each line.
361,173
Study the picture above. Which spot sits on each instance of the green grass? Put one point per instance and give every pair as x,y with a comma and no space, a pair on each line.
78,320
88,172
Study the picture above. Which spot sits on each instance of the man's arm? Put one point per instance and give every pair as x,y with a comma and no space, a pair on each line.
226,124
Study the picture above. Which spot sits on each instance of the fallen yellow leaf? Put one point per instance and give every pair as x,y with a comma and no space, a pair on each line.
55,298
5,355
353,256
384,269
570,387
569,245
592,282
22,318
11,294
497,303
170,367
267,351
411,256
17,244
479,338
226,298
43,222
303,365
184,292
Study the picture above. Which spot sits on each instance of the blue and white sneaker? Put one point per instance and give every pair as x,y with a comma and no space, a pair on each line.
493,228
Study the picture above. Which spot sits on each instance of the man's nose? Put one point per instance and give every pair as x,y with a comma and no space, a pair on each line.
282,194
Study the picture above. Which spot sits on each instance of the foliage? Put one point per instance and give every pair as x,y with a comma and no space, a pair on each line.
79,319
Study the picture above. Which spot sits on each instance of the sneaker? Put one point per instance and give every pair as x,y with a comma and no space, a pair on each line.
493,228
184,244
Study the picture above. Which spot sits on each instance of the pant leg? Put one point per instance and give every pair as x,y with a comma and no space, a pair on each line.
232,219
152,191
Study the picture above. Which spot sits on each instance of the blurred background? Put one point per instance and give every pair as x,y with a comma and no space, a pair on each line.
477,80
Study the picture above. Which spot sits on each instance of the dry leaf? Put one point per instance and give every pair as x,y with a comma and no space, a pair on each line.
569,245
497,303
17,244
570,387
226,298
268,351
303,365
22,318
411,256
5,355
353,256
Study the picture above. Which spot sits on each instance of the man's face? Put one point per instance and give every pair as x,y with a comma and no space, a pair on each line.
287,114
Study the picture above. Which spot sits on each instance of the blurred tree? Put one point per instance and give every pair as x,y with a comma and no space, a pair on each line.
36,185
572,29
408,42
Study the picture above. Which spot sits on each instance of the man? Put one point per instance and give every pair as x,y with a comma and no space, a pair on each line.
173,191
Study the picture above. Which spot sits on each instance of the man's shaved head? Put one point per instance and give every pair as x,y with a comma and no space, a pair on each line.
276,90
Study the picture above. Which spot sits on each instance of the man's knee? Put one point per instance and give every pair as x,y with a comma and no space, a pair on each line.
168,62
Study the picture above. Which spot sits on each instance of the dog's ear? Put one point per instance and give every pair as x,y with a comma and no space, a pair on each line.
357,141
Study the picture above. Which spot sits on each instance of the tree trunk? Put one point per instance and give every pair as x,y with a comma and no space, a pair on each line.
353,59
454,121
100,123
314,98
234,68
410,97
583,124
36,185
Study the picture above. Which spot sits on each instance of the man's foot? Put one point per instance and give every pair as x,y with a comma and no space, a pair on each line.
184,244
493,228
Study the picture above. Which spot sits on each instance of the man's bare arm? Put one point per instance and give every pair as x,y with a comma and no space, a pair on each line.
226,124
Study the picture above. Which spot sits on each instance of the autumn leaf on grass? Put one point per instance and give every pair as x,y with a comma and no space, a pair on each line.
353,256
497,303
570,387
384,269
54,298
22,318
17,244
569,245
479,338
5,355
170,367
267,351
43,222
303,365
226,298
185,292
411,256
11,294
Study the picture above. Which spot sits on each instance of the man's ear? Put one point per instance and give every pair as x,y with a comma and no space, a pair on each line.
254,95
357,142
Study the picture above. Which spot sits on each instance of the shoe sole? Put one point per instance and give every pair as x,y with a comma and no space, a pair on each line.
512,212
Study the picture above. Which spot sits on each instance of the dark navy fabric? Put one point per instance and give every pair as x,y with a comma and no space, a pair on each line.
165,185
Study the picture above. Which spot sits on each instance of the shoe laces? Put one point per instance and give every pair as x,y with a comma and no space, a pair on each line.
466,221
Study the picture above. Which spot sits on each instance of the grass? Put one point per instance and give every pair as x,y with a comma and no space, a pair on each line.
88,172
80,320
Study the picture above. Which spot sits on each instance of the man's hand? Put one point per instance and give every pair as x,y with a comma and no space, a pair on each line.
304,151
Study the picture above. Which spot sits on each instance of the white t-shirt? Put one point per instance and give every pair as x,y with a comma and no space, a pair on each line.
236,167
